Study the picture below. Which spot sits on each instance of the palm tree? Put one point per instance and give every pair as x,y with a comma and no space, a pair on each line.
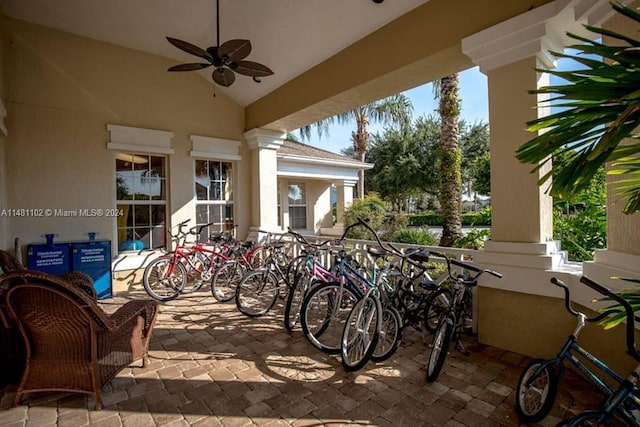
600,108
450,154
394,110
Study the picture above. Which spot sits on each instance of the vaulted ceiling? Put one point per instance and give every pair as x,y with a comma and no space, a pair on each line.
289,36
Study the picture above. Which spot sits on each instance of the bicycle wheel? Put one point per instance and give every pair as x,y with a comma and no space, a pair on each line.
163,279
324,312
389,336
295,298
436,304
587,419
226,279
197,267
259,256
360,333
533,403
294,268
256,293
440,347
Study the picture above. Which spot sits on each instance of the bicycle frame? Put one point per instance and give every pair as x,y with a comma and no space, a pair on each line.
571,345
318,271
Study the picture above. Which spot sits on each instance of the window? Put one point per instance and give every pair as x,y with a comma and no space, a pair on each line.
214,195
297,206
141,194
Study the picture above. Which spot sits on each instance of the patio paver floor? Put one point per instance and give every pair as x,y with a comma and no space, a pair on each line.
209,365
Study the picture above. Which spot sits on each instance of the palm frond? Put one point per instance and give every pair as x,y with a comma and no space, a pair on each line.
598,108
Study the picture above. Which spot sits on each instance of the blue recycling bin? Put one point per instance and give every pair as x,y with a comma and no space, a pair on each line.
52,258
94,258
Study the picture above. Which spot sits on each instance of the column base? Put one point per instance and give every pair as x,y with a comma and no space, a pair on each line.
608,264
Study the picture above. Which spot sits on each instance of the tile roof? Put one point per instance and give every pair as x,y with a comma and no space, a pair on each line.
294,148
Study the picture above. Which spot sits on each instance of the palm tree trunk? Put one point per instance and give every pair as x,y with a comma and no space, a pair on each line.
361,144
450,161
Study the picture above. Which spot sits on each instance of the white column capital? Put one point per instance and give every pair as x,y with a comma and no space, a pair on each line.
349,182
264,138
537,32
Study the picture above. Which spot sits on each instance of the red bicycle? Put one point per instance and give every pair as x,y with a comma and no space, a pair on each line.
185,269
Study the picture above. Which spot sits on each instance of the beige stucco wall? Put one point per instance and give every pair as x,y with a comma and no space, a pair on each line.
62,91
3,167
319,205
622,230
538,325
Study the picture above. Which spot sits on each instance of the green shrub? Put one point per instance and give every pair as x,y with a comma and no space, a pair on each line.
474,239
371,208
416,236
469,219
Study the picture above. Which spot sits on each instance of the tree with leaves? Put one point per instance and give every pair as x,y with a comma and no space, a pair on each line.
394,110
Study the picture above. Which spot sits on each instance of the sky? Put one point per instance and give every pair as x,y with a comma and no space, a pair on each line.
475,108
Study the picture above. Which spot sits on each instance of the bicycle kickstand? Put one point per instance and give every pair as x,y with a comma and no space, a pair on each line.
460,347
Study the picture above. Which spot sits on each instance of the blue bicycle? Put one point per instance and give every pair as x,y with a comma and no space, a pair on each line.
538,383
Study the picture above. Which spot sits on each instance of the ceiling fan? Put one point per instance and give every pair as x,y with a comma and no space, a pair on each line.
227,58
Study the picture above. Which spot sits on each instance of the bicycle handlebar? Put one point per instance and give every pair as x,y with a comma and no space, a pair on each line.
387,247
300,238
570,309
630,331
478,271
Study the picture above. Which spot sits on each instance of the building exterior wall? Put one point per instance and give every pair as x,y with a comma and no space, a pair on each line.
319,205
62,92
537,326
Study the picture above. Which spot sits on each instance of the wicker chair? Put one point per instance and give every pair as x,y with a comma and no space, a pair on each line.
71,343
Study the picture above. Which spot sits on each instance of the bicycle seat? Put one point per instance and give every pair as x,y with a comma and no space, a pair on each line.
429,285
247,244
419,256
214,237
277,245
376,251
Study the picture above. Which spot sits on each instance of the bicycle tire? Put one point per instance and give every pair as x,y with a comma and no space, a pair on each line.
293,306
390,335
587,419
196,269
436,304
534,403
360,333
294,268
256,293
157,282
440,347
226,279
323,316
259,256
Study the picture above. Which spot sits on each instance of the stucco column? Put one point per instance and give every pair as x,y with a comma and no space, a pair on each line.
521,212
344,200
622,256
264,145
509,54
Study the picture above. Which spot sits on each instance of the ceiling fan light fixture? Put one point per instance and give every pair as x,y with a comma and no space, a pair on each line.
227,58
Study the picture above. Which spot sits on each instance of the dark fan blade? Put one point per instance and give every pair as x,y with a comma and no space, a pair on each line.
189,48
253,69
223,76
236,50
189,67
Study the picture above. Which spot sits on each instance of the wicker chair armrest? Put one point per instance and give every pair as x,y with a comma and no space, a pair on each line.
146,308
83,281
